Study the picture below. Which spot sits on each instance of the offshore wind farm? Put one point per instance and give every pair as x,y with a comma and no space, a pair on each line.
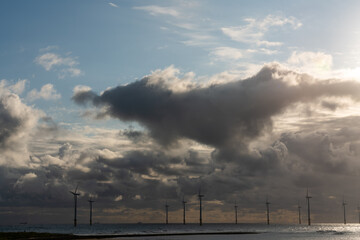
180,119
200,207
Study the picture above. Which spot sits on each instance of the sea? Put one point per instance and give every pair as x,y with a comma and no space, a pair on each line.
205,232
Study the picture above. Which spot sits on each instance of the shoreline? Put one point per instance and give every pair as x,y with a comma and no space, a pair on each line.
164,234
56,236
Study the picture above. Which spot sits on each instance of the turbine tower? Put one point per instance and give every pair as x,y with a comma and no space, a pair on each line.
299,209
267,211
344,207
184,207
75,201
358,209
167,213
236,208
200,196
91,202
308,203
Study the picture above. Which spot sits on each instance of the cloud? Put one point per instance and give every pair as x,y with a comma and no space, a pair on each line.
246,156
158,10
233,54
118,198
47,92
311,62
64,65
72,72
50,60
283,169
81,88
113,5
228,53
241,110
225,136
16,123
17,88
255,30
49,48
319,64
27,177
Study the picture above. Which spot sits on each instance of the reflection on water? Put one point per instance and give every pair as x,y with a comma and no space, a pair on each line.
316,231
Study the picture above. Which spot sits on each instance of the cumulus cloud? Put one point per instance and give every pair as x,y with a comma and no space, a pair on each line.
216,136
230,117
16,123
50,60
46,92
64,65
315,63
17,88
241,110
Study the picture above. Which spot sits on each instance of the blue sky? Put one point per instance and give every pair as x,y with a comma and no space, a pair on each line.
82,95
115,44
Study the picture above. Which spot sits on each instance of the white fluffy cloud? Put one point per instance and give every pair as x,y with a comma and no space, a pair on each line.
17,121
81,88
46,92
17,88
64,65
311,61
319,64
50,60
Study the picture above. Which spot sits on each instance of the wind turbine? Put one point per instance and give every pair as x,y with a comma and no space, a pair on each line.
299,209
200,196
308,203
184,207
236,208
344,207
75,201
267,211
91,202
167,213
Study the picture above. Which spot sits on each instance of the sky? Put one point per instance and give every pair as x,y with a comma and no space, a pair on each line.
142,103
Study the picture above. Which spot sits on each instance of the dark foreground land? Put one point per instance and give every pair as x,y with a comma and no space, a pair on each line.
55,236
33,235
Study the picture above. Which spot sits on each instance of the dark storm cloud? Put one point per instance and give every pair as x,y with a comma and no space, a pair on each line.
224,115
9,125
134,135
143,161
228,117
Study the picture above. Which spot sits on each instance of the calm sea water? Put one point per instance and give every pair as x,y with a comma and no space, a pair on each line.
318,231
